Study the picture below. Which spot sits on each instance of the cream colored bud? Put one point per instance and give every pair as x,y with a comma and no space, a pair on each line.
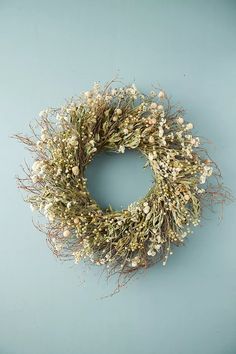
66,233
180,120
152,121
118,111
189,126
151,139
153,105
75,170
146,209
161,94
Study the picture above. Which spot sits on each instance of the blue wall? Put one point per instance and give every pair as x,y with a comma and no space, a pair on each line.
51,50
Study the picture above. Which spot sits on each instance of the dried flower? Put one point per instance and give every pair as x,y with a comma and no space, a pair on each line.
153,105
151,139
75,170
161,94
189,126
118,111
66,233
180,120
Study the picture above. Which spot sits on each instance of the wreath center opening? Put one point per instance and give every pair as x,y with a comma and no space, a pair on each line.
117,180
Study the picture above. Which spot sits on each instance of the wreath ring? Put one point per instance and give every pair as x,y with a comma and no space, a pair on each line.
115,119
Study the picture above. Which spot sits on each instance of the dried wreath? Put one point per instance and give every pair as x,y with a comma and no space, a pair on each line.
115,119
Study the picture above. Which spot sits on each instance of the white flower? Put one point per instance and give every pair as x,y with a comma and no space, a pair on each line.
92,142
202,179
44,137
195,142
59,171
73,140
47,206
151,252
126,131
180,120
151,139
39,144
152,121
88,94
157,247
34,178
150,156
118,111
58,247
132,91
207,171
58,116
51,216
161,94
43,113
37,166
135,261
189,126
75,170
153,105
200,191
146,209
160,107
121,149
161,132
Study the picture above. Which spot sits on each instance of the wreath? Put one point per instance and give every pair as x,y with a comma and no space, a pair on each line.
115,119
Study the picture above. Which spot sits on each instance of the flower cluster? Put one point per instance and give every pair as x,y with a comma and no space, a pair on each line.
116,119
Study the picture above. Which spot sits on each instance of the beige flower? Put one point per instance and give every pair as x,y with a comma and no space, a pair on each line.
189,126
161,94
151,139
66,233
146,209
151,252
121,149
75,170
153,105
76,220
118,111
180,120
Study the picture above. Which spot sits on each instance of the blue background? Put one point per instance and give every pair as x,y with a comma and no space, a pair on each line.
51,50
